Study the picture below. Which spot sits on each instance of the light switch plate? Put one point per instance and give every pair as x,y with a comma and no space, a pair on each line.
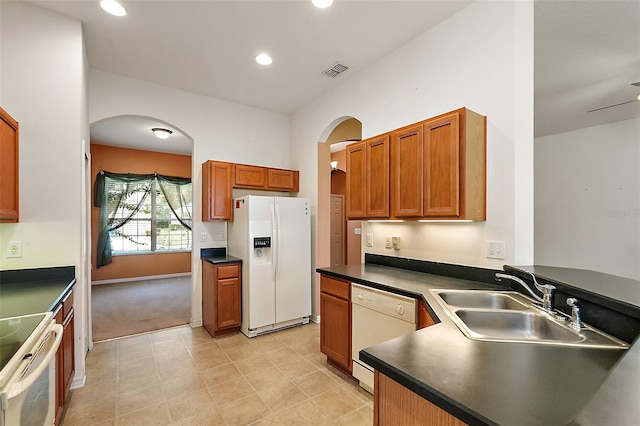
369,240
396,243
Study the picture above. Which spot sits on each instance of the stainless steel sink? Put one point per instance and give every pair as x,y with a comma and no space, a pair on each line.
483,299
509,316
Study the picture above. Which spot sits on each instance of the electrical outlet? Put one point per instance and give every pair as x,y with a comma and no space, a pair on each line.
387,242
495,249
396,243
369,240
14,249
203,236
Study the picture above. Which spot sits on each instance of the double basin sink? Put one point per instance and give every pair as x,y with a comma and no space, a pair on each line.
509,316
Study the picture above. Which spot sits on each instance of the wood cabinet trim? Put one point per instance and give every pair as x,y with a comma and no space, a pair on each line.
9,168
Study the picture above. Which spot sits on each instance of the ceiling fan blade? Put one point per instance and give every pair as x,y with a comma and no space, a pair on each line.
614,105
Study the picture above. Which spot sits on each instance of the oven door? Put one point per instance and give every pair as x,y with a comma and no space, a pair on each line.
29,398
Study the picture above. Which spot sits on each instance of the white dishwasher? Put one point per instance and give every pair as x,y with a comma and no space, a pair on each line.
377,316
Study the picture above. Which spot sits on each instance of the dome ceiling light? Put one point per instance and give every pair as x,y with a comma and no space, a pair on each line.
322,4
264,59
161,133
113,7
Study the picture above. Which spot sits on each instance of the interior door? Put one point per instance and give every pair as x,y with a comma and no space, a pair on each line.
337,230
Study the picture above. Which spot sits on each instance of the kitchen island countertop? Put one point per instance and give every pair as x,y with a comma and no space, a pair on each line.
490,383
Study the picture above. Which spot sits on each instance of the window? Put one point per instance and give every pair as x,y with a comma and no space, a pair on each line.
142,214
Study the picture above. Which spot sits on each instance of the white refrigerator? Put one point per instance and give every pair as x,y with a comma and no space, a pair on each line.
272,236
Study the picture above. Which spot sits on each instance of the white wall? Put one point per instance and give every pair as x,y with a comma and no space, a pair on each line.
481,58
587,199
42,68
220,130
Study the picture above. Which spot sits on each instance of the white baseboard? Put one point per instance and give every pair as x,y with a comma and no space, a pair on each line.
150,277
195,324
78,382
315,318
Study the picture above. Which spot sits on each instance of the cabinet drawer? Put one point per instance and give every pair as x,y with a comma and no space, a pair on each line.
335,287
228,271
67,304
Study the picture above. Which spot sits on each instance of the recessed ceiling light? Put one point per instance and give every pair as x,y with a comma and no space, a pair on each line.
161,133
264,59
322,4
113,7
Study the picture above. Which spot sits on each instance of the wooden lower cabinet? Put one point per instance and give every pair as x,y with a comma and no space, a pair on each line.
9,194
221,297
424,317
394,404
65,358
335,322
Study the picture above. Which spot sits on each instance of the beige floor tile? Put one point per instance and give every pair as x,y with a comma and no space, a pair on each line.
356,390
307,414
180,386
338,402
207,360
128,366
142,350
265,379
137,381
230,391
318,359
306,347
169,344
93,391
237,340
96,372
241,352
89,411
282,355
171,359
139,398
205,348
296,368
220,374
188,408
245,411
361,417
252,364
315,383
186,368
282,396
266,342
154,415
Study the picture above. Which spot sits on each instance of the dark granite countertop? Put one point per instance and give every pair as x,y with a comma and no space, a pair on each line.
31,291
491,383
217,256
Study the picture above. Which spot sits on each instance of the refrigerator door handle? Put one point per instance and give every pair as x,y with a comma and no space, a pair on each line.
274,227
278,240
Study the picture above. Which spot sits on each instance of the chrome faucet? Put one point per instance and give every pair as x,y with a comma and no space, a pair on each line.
548,291
575,323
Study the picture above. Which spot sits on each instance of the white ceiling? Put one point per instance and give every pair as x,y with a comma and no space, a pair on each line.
586,53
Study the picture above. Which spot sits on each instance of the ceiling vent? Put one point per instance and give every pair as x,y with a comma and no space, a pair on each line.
335,70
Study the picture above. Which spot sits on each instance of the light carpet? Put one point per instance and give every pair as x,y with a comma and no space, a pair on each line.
128,308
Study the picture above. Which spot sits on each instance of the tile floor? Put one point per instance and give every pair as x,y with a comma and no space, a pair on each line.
181,376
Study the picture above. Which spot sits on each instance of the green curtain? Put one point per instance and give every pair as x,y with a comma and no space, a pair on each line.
176,190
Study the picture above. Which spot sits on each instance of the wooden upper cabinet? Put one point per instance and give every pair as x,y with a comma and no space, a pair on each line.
406,172
377,182
217,191
442,166
249,176
454,170
9,196
356,181
283,180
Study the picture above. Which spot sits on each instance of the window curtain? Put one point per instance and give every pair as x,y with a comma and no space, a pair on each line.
112,196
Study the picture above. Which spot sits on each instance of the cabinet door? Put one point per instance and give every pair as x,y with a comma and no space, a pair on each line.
8,168
217,191
424,318
228,303
283,180
68,345
59,370
335,329
208,298
442,166
356,178
249,176
406,172
377,177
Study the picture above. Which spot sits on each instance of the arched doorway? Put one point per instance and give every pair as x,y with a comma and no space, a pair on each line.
334,239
